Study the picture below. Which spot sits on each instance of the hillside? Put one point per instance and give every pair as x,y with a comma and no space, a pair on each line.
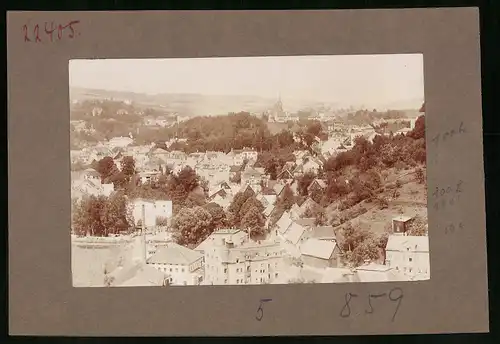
183,104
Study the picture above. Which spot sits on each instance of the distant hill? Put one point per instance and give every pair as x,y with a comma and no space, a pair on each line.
210,105
184,104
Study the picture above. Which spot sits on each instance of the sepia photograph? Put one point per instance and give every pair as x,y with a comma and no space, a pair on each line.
248,170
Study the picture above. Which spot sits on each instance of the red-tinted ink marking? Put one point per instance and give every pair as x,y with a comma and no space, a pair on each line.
70,25
25,30
59,31
50,31
37,33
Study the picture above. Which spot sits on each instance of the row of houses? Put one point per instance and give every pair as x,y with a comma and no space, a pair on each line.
229,257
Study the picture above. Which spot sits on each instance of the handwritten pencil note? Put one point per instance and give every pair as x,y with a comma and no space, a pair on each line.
49,32
260,310
369,302
449,135
448,195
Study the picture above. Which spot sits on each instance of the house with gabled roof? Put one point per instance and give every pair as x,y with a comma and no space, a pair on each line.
252,176
183,265
312,164
317,185
88,187
320,253
223,201
306,222
409,255
220,192
295,212
283,223
308,203
143,275
266,200
285,175
295,234
323,233
246,187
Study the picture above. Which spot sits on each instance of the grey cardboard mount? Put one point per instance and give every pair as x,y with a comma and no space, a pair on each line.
42,300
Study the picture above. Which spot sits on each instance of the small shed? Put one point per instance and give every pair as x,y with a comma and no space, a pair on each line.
400,224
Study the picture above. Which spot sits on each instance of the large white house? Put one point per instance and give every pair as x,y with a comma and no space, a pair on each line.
182,265
151,210
231,258
409,255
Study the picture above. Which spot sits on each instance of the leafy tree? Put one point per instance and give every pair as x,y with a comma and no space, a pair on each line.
101,216
119,180
219,218
287,198
191,226
359,245
366,250
417,226
116,217
419,131
106,168
271,168
304,181
236,206
251,202
422,109
420,175
315,128
254,222
162,221
188,179
319,215
382,240
128,166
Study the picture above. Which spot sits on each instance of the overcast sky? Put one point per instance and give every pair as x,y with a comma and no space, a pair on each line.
359,79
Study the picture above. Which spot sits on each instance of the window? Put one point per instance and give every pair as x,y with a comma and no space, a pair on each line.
410,259
170,269
225,281
225,270
176,269
182,269
276,275
237,281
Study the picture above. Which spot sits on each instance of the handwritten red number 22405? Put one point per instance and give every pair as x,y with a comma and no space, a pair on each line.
49,31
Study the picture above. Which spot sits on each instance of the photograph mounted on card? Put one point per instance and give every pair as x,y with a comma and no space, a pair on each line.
331,169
